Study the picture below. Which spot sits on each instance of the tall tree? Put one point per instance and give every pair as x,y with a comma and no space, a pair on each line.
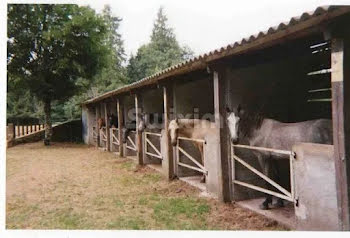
54,50
163,51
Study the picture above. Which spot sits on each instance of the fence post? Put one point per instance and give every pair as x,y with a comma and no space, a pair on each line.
139,151
223,152
340,79
120,110
107,128
168,104
97,129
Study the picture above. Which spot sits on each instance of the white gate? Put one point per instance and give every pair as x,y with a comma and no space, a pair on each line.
103,135
200,167
283,193
94,133
130,143
156,152
114,136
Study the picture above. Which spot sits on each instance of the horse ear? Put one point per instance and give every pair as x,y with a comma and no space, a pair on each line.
228,110
176,120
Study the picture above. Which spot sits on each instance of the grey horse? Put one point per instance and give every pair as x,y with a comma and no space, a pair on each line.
255,130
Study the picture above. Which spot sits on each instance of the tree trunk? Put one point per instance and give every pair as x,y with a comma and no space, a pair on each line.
48,123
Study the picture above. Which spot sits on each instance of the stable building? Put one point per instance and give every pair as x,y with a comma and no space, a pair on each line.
294,72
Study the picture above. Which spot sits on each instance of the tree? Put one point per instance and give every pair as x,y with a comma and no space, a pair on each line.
113,75
162,52
54,51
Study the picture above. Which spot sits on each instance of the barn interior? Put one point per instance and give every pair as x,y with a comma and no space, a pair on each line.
153,109
193,99
129,115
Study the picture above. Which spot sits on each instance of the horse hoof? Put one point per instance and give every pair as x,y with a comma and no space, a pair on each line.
264,206
279,203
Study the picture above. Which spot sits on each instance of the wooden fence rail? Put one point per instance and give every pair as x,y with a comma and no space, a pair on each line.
23,130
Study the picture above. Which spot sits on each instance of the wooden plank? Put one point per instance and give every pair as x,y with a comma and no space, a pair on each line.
168,161
120,126
263,176
341,127
191,139
152,133
132,143
150,143
108,142
130,147
190,157
97,114
138,139
320,100
263,190
285,152
320,90
154,155
192,167
219,87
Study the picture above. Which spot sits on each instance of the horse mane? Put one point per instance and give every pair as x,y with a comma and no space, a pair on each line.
250,121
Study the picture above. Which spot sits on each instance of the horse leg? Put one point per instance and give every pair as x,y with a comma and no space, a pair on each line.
277,178
200,148
266,168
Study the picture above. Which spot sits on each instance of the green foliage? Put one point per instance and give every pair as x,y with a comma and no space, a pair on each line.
51,46
162,52
62,54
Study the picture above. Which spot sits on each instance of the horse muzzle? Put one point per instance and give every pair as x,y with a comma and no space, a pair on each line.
234,140
174,143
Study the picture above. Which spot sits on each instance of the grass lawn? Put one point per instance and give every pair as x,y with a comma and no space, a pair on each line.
73,186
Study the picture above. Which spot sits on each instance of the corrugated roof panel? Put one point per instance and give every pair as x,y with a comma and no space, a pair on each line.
223,51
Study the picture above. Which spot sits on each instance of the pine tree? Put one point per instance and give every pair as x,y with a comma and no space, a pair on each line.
162,52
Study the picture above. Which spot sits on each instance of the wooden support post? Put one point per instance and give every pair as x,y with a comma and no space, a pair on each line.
138,110
108,142
120,126
220,123
341,126
168,161
22,130
97,129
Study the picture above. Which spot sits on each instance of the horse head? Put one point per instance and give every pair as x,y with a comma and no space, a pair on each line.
233,118
101,123
142,122
173,130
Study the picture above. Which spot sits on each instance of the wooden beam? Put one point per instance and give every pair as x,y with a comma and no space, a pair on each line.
223,153
97,129
138,109
108,144
341,126
168,161
120,126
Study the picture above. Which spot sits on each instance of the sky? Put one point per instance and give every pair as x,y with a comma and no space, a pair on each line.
203,25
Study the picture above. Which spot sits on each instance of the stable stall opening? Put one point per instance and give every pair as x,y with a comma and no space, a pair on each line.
130,124
288,83
92,125
152,115
112,121
103,128
194,99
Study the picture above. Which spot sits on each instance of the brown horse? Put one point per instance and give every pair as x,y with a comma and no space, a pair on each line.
101,123
190,128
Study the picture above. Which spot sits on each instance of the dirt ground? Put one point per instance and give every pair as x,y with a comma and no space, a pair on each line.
73,186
